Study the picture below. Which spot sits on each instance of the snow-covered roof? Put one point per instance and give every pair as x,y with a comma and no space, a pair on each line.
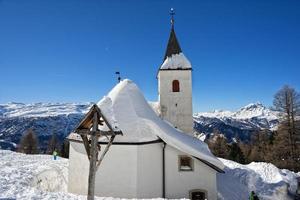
176,61
139,123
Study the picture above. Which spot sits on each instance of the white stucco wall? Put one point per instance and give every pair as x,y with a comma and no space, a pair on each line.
78,169
179,183
150,170
127,171
176,107
135,171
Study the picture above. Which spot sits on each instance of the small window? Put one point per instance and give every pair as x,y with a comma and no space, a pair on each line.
175,86
198,194
185,163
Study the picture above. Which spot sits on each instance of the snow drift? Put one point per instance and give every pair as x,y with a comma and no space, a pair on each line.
265,179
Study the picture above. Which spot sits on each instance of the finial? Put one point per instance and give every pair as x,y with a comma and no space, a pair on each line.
172,13
118,76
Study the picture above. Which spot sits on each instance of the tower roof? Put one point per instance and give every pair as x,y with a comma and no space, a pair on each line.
173,45
174,59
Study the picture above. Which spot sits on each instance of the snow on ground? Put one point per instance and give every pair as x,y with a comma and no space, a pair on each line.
40,177
36,177
265,179
33,177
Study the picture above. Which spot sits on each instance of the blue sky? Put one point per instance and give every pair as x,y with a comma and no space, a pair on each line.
68,51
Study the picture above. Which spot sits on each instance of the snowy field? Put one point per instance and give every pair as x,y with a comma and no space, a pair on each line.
40,177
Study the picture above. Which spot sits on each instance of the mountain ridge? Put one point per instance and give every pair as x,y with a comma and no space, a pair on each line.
61,118
237,124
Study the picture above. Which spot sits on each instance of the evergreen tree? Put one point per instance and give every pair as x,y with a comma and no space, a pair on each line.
29,143
236,153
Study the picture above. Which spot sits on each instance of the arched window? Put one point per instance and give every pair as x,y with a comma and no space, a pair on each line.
175,86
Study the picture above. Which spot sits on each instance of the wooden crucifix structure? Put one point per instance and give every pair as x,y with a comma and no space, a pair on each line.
93,126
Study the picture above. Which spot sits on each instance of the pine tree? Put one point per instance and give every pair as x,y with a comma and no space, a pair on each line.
236,153
29,143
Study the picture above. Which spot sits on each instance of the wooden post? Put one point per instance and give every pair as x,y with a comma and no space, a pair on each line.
93,158
90,140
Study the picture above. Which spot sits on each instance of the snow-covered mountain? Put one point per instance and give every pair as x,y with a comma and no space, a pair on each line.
241,123
45,119
61,119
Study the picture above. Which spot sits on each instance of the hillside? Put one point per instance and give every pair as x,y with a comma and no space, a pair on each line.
45,119
61,119
240,124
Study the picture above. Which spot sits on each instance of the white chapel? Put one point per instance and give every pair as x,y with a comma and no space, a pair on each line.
157,155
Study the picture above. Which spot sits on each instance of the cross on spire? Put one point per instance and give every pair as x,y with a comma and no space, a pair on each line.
172,13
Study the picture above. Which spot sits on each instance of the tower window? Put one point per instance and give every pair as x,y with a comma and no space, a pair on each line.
175,86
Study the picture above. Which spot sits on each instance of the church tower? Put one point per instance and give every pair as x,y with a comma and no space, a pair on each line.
175,85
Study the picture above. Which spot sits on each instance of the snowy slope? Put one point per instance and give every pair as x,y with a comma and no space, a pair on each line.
45,119
241,123
265,179
40,177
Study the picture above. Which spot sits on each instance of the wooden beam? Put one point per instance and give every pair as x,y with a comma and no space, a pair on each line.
93,159
105,150
86,145
98,133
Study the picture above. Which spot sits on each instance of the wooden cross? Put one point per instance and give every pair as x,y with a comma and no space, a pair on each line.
90,132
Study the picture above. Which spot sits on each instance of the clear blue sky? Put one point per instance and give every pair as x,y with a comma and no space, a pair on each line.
68,51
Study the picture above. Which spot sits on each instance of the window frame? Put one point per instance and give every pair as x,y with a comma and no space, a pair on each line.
175,86
191,163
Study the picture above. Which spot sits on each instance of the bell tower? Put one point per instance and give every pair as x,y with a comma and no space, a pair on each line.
175,85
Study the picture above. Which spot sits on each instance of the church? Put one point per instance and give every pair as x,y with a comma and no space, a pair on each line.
157,155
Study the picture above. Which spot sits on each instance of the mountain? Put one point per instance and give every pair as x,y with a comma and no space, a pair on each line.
45,119
61,118
240,124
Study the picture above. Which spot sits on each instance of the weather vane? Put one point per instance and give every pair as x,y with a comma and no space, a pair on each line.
172,13
118,76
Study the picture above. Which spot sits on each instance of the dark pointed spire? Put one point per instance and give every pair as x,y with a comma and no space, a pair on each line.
173,44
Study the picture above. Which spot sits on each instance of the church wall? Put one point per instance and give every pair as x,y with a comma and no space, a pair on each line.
116,177
127,171
176,107
179,183
78,169
149,163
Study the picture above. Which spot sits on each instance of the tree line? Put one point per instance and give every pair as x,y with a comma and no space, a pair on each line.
280,147
29,144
